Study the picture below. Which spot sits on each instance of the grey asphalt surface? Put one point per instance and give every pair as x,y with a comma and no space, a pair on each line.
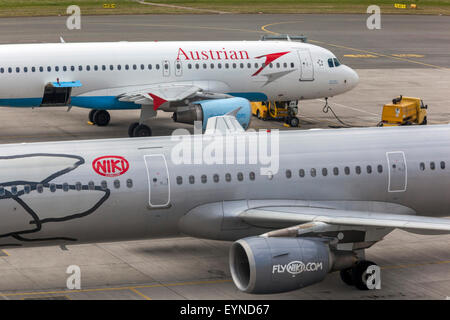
413,266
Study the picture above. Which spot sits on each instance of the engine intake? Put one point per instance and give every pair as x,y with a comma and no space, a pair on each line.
203,110
273,265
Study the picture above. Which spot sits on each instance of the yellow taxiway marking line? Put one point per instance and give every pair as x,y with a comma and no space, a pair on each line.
264,28
6,253
118,288
140,294
360,56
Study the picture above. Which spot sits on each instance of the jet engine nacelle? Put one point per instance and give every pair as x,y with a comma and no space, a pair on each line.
273,265
203,110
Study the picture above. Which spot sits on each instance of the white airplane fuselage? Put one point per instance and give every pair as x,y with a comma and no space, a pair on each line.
255,70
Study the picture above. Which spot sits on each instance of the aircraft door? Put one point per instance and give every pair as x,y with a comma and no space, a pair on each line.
178,68
166,68
158,180
306,65
397,171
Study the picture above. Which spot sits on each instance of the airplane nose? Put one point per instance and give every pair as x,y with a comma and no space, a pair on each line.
351,78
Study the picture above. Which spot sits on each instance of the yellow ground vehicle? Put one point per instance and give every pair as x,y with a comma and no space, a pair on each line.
277,110
404,111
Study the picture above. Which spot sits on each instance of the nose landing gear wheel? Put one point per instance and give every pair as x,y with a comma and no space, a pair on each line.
293,122
101,118
142,130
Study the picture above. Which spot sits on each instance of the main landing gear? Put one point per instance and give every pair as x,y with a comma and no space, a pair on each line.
357,275
100,118
139,130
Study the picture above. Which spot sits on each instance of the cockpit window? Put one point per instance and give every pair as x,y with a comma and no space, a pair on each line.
336,62
330,63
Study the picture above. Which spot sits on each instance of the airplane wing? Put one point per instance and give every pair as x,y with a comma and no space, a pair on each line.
297,215
171,93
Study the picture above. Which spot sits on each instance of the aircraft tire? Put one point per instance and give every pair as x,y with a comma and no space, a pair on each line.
142,130
293,122
359,274
91,115
347,276
101,118
131,129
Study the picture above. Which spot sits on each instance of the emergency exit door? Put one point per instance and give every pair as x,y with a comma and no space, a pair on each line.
397,171
306,65
158,180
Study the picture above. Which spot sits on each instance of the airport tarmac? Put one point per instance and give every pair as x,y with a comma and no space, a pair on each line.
413,266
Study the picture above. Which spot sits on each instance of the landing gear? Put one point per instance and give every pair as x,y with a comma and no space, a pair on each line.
139,130
293,122
99,117
357,275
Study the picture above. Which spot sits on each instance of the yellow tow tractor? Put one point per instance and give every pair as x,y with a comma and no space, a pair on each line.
404,111
277,110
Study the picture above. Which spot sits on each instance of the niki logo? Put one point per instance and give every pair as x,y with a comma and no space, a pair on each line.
110,166
269,59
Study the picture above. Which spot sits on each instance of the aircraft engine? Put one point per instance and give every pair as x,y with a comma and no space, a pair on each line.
203,110
273,265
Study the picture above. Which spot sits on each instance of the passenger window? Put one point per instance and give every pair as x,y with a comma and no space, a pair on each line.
88,68
228,177
336,171
33,69
91,185
191,179
278,64
143,67
134,67
80,68
432,165
48,69
40,188
422,166
196,66
369,169
330,63
149,67
203,178
324,172
111,67
56,68
256,65
241,65
301,173
216,178
2,70
249,65
271,65
179,180
380,168
347,170
52,187
189,66
227,65
27,188
65,186
64,68
252,176
103,67
78,186
204,66
41,69
117,184
96,67
104,185
2,191
358,170
336,62
129,183
285,65
234,65
72,68
442,165
292,64
313,172
119,67
14,190
288,174
240,176
212,65
25,69
219,65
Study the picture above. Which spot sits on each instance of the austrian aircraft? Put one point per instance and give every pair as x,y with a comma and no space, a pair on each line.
193,79
313,204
